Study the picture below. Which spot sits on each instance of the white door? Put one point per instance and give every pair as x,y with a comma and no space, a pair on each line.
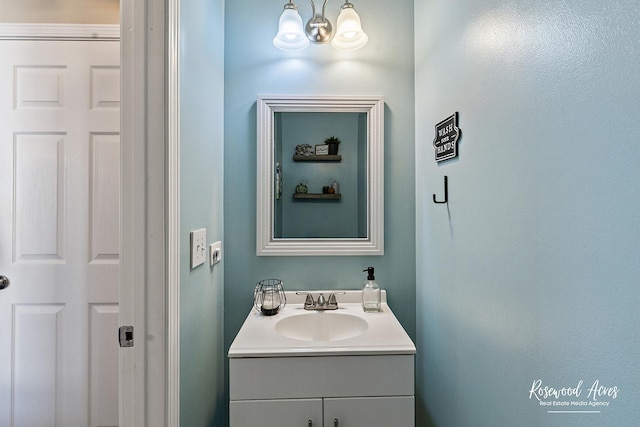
59,232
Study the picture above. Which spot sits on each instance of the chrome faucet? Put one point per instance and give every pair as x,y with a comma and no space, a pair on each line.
321,303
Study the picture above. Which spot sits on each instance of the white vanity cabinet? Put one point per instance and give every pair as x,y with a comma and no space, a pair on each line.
291,370
357,391
347,412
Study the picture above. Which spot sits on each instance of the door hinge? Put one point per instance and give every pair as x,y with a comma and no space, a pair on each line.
125,334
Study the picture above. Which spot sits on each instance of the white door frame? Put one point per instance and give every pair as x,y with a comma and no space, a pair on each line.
150,373
173,215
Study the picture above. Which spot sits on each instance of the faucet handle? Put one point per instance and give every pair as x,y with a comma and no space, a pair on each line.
308,301
332,297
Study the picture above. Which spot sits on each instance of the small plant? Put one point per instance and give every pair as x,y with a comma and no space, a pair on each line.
332,140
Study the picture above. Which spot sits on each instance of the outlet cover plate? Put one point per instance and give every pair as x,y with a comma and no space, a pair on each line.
198,247
215,253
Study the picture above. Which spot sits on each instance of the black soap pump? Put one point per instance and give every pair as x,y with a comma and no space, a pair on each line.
370,293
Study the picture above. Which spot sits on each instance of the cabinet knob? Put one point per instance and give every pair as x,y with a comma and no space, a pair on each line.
310,424
335,422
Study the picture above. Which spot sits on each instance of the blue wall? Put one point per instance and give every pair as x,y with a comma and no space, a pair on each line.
531,272
202,352
254,66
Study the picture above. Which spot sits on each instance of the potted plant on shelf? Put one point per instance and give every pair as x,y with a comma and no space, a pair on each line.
332,142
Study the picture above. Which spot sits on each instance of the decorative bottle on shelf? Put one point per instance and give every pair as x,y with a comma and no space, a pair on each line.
370,293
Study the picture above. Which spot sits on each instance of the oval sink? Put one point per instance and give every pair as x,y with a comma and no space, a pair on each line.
321,326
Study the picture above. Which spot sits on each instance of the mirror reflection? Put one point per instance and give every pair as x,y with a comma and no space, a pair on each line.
321,195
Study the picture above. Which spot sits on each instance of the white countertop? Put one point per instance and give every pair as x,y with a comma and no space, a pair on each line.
384,334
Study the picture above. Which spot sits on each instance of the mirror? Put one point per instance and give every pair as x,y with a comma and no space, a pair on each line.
310,201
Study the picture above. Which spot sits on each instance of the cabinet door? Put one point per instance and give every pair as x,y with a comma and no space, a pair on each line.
279,412
370,411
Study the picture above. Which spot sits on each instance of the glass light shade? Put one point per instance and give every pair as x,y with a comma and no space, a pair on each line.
349,34
290,32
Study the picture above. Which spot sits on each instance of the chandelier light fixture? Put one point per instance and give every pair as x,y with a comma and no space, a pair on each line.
292,36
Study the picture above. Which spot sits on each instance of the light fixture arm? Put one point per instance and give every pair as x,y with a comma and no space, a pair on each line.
318,28
323,6
313,7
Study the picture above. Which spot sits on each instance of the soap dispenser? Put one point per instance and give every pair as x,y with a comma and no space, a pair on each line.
370,293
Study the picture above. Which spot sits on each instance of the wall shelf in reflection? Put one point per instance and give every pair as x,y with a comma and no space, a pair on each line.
314,158
317,196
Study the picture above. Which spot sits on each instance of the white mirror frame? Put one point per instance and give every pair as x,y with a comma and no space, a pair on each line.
266,243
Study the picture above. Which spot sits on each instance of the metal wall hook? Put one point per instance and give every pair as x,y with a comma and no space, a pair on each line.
446,192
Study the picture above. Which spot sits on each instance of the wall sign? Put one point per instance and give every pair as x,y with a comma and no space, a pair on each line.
446,140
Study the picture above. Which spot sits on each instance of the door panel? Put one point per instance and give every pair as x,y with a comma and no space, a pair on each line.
38,330
59,232
38,196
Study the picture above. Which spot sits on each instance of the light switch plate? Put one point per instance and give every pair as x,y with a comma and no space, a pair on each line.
215,253
198,247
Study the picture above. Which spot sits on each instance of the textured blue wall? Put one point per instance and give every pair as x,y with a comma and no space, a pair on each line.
202,352
531,272
254,66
